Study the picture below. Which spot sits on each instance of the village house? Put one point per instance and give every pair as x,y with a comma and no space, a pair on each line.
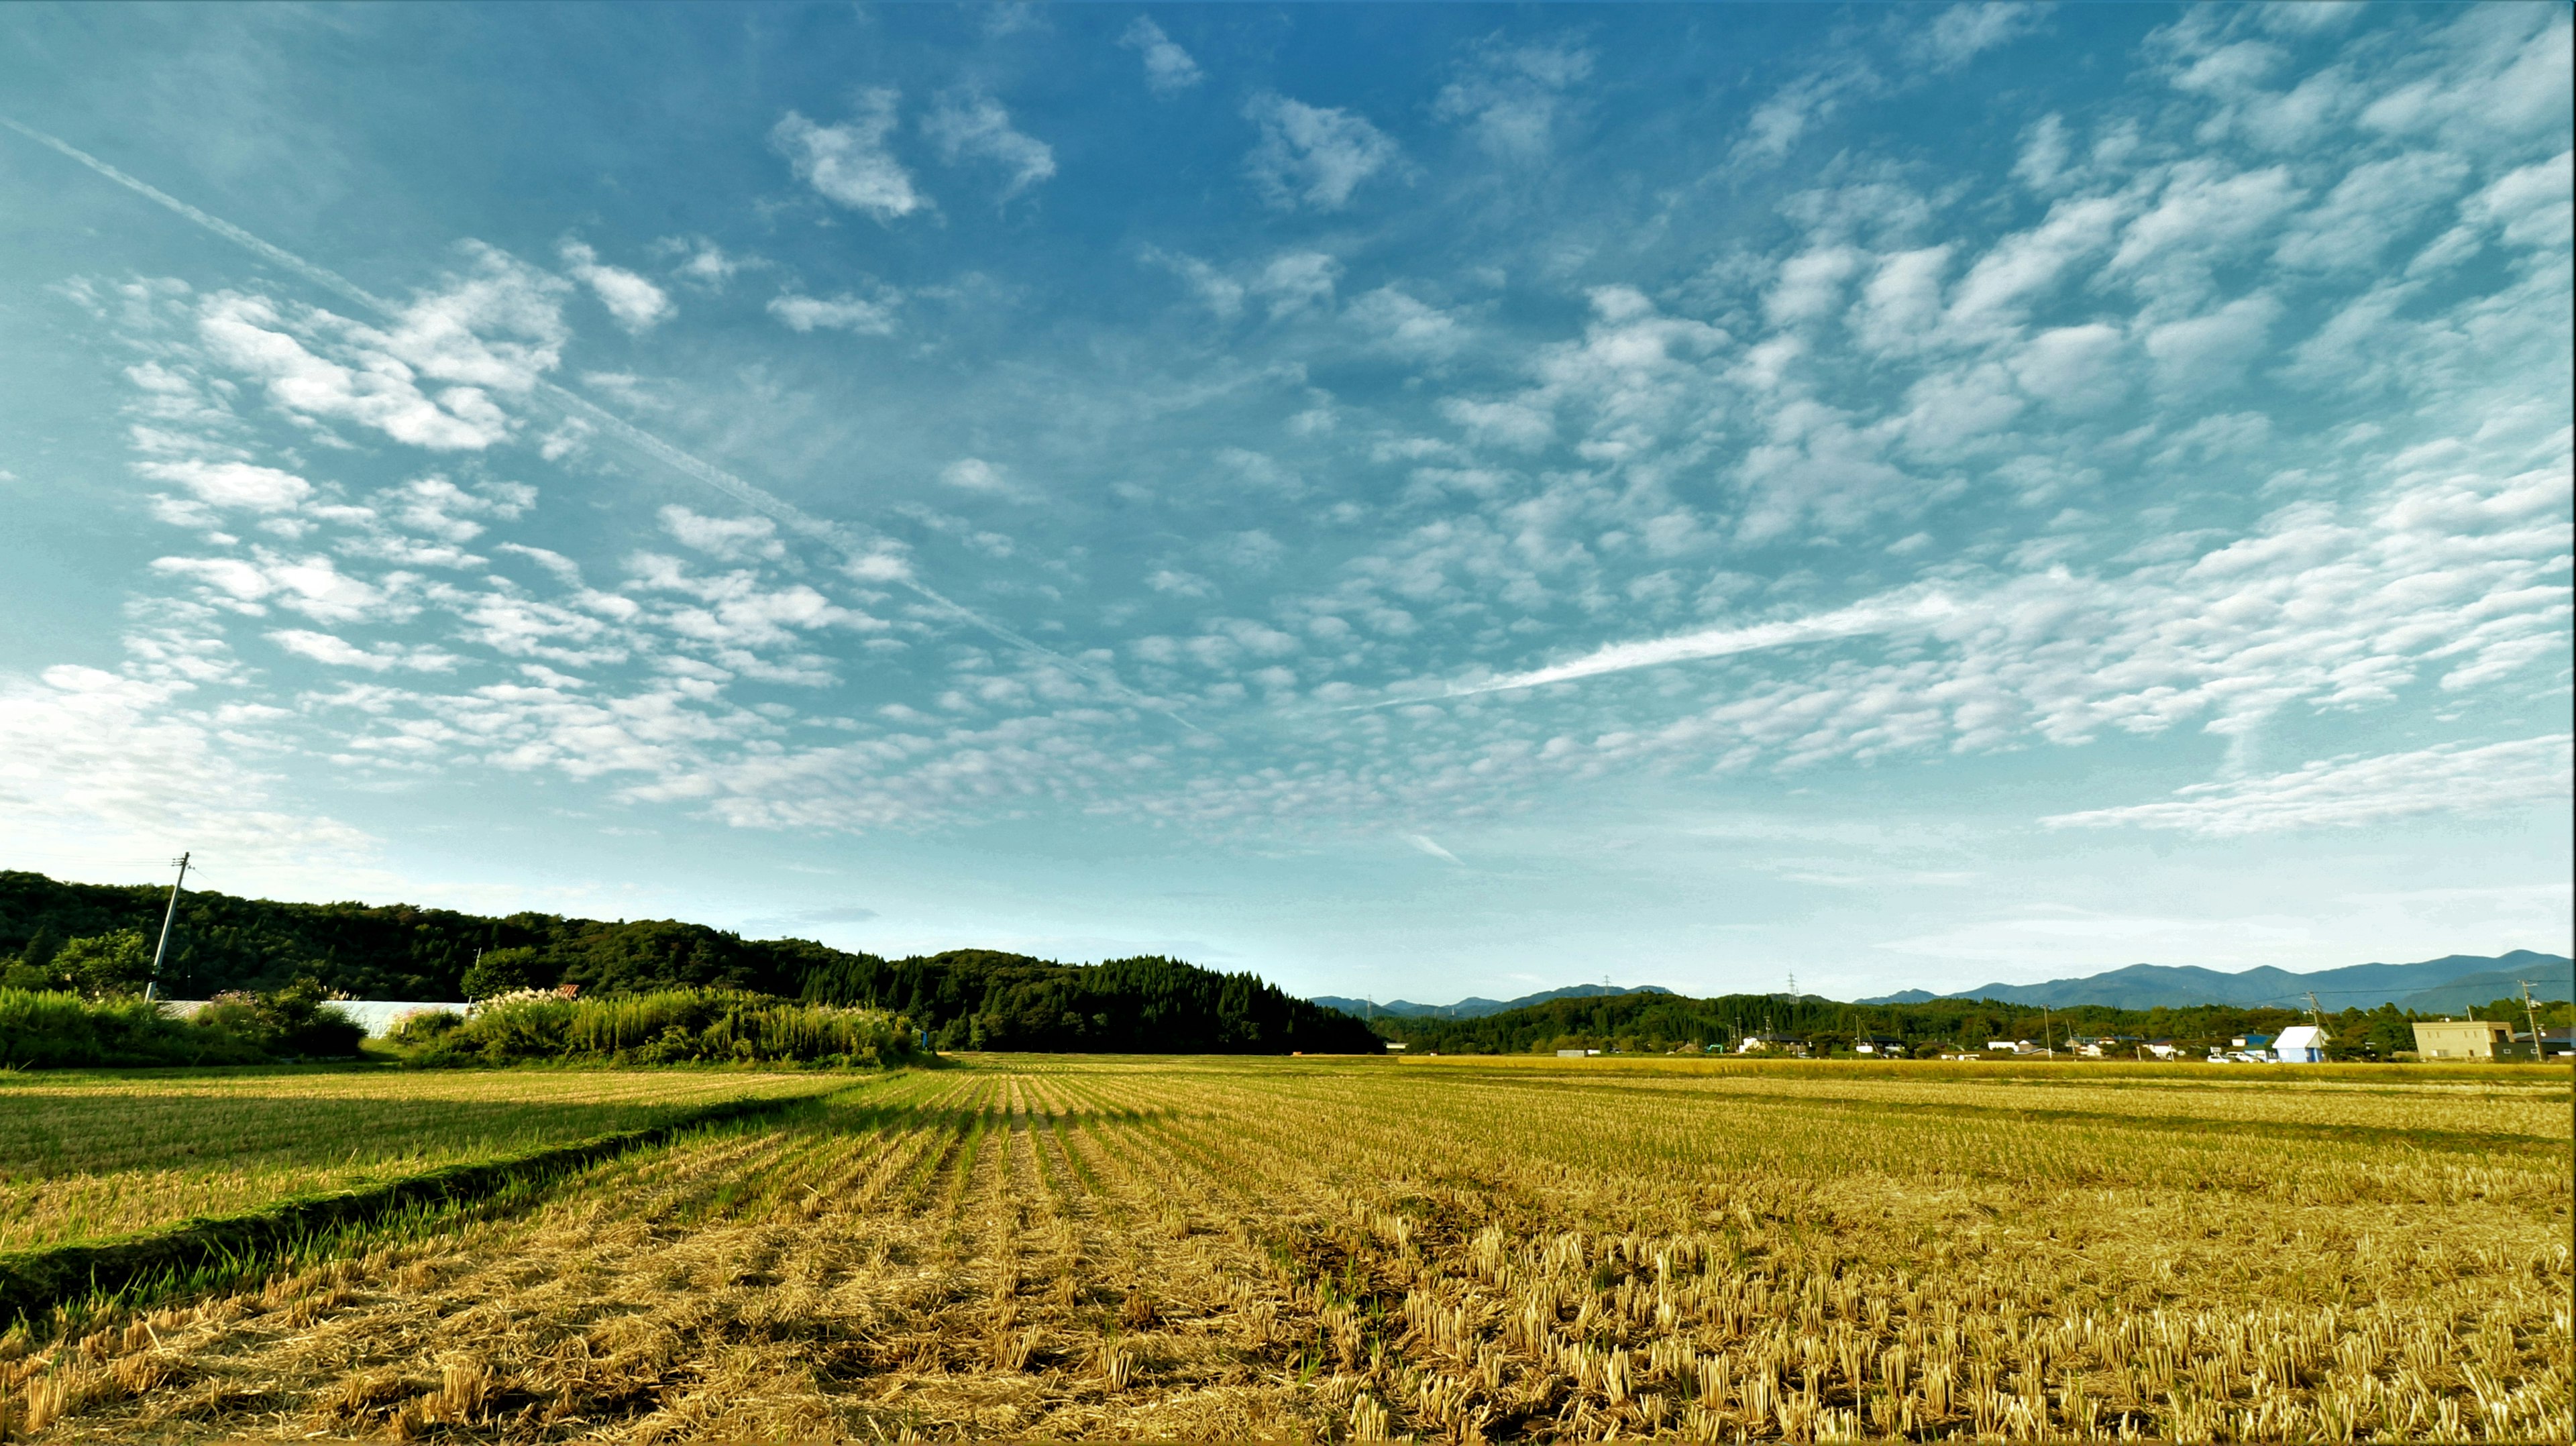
2300,1044
1879,1045
1771,1044
2164,1049
2462,1038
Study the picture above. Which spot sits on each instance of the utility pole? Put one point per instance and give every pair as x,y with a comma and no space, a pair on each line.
163,952
2046,1044
2532,1014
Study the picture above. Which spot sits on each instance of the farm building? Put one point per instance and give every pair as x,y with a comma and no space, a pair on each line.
2462,1038
2300,1044
2164,1049
1771,1044
1879,1045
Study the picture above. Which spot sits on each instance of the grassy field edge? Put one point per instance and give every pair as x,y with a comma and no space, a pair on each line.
32,1281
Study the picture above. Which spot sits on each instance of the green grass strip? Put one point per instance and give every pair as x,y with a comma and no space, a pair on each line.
33,1281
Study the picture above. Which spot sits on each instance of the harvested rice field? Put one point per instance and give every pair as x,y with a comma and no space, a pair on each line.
87,1156
1447,1250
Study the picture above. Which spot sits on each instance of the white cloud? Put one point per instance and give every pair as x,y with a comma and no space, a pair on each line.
233,484
498,328
974,474
1810,284
1313,155
1424,843
2535,205
969,124
733,539
1297,280
700,261
1964,32
849,164
638,304
2044,153
2022,267
2210,352
1406,326
1220,293
1512,97
845,312
93,759
443,510
2076,369
2204,213
1779,123
2353,792
1513,424
338,652
2374,204
1168,68
1177,583
249,335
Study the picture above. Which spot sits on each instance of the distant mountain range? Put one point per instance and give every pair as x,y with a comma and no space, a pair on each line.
2451,983
1479,1008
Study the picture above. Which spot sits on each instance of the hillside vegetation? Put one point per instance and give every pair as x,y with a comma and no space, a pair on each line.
93,939
979,999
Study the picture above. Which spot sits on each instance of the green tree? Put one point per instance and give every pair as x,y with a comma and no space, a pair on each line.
105,965
501,970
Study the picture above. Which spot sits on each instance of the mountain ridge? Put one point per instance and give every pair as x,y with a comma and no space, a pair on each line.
1475,1007
2425,985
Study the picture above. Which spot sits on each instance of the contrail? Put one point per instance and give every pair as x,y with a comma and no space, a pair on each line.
1879,615
331,281
686,463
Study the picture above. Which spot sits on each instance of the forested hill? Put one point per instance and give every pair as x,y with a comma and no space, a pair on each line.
389,951
968,998
979,999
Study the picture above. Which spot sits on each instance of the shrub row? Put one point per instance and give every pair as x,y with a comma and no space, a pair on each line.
671,1026
57,1029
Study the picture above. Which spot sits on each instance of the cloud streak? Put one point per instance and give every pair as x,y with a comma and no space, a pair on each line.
1881,615
2353,792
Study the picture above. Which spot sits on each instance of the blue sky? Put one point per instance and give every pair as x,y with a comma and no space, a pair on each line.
1413,500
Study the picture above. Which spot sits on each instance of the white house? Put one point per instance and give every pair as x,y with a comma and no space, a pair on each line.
2300,1044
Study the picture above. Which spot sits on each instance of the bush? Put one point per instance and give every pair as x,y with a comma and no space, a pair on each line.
57,1029
420,1026
674,1026
294,1023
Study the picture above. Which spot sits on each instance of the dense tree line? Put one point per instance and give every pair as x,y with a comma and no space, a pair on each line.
1661,1023
378,951
981,999
96,938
